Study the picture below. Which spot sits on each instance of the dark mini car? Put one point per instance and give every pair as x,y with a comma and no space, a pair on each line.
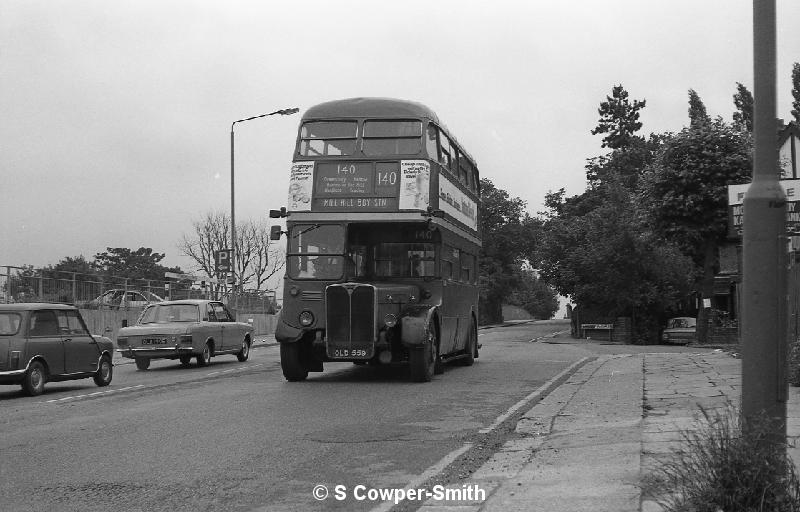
182,329
50,342
680,330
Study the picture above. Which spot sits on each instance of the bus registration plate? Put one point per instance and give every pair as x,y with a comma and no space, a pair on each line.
350,352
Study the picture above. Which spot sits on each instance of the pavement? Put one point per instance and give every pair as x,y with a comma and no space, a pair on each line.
590,443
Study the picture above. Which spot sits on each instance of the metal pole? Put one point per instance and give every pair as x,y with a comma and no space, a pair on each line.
283,112
765,304
233,220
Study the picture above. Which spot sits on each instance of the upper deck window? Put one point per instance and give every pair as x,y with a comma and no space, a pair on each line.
392,137
328,138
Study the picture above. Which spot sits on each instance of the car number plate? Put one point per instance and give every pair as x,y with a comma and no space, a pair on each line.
154,341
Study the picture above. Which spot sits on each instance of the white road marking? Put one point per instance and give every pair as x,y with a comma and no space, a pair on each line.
240,368
432,471
96,393
542,389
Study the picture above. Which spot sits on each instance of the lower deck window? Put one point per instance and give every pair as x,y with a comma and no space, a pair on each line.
405,260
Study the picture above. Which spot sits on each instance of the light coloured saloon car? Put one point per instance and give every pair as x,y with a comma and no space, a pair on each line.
680,330
185,329
42,342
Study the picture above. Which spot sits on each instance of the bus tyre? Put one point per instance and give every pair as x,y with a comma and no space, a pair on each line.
291,362
471,349
423,360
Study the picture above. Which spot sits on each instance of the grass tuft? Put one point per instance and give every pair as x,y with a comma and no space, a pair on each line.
726,465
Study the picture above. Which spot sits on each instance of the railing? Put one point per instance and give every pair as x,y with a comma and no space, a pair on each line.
92,291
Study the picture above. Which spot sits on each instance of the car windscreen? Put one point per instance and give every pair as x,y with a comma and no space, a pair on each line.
162,314
9,323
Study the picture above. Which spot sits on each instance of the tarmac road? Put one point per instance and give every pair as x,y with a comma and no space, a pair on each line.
236,436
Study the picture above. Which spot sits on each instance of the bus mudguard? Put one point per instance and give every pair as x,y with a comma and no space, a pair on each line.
414,323
285,333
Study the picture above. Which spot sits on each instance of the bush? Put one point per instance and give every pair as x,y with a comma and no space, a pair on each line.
725,466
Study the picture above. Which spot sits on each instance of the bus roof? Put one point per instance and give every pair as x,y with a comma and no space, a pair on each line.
378,108
370,107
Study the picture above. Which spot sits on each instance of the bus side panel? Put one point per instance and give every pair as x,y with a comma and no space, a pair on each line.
459,300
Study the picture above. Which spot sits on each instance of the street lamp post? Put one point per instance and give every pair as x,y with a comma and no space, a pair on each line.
283,112
764,261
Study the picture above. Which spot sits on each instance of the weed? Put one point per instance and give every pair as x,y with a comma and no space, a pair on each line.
727,465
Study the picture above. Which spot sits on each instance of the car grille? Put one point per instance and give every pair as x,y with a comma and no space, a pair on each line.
350,317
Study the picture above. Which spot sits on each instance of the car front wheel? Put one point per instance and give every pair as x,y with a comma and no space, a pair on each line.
142,363
105,372
35,377
204,359
244,353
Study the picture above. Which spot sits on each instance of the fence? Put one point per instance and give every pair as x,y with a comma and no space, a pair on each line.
92,291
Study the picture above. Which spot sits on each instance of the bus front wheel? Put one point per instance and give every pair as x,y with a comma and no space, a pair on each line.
291,362
423,360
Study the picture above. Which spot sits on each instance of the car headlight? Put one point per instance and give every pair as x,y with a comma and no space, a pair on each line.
306,318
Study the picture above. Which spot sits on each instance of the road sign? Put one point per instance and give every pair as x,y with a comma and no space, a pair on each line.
223,261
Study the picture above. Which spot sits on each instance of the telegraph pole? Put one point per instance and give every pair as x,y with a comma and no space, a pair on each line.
765,302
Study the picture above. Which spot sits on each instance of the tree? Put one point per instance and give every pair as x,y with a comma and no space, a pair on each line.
796,91
697,110
684,192
619,118
143,263
78,265
534,295
623,165
256,260
743,100
603,260
508,235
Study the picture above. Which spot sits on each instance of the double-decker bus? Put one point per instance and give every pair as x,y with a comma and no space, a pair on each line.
383,237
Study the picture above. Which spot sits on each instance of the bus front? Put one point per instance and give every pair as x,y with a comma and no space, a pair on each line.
364,244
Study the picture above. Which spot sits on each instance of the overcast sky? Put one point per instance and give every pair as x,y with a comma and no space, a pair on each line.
116,115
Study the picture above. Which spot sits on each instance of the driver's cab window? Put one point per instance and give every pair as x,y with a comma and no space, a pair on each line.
210,315
316,251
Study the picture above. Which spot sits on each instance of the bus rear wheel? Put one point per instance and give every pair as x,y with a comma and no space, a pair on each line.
471,349
292,363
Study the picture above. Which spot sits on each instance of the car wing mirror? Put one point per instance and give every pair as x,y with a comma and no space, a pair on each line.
125,322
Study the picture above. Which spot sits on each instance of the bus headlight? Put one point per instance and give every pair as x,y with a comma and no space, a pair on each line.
390,320
306,318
